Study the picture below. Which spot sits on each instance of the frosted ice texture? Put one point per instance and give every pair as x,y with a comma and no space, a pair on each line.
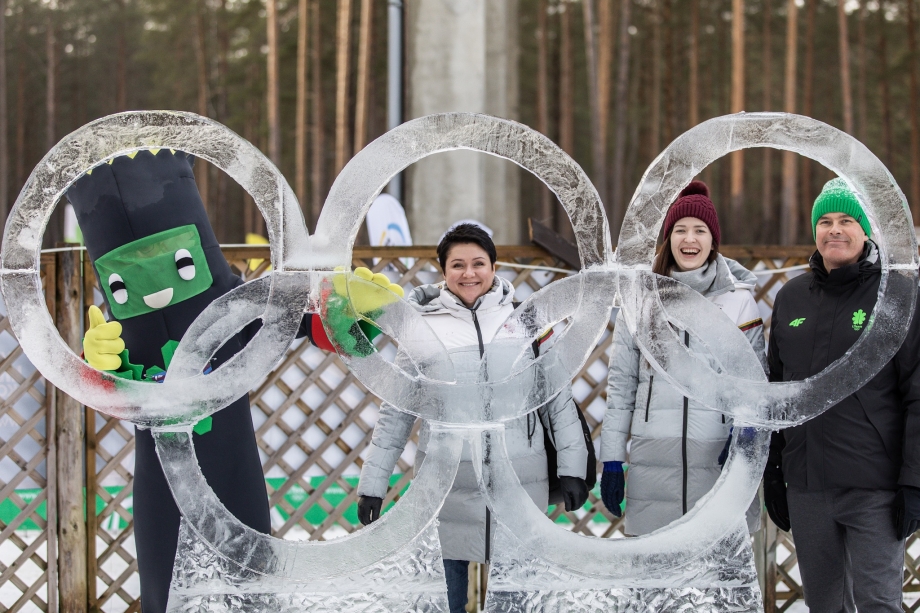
222,565
702,560
173,402
766,404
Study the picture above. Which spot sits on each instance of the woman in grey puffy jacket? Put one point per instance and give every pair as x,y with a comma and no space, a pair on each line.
465,312
677,448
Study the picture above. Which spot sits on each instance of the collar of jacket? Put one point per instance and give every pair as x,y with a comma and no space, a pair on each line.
717,277
868,266
436,298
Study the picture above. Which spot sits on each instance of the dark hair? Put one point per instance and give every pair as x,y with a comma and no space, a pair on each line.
465,233
665,263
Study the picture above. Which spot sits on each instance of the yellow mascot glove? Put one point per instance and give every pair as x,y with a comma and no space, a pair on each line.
367,298
102,343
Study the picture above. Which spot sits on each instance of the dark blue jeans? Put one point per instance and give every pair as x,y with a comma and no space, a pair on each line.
458,582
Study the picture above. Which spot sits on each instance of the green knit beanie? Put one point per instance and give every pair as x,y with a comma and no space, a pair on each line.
836,197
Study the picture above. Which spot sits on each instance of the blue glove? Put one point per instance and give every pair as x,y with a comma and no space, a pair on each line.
613,487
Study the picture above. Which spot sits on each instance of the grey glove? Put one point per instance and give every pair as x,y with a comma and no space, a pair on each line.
369,509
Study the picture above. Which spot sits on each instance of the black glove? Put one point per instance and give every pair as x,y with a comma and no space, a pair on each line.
369,509
774,496
574,492
613,487
907,511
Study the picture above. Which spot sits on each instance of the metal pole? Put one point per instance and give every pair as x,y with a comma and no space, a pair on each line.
395,80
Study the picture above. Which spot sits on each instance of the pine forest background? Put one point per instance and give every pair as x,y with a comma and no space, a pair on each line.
611,81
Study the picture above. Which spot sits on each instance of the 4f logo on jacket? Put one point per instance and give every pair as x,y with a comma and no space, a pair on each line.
795,323
859,318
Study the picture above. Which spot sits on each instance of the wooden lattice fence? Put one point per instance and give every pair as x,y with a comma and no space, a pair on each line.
313,421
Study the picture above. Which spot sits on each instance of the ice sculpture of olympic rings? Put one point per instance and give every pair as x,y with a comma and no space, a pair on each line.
302,263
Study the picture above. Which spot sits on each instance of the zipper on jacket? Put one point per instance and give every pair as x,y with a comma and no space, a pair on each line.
482,348
648,401
683,442
488,530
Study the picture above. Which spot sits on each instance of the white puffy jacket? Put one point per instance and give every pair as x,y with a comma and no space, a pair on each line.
673,456
462,520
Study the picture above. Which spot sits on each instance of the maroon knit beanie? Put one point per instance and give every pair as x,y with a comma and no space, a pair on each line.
694,201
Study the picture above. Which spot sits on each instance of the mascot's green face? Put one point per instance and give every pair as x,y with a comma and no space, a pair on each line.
154,272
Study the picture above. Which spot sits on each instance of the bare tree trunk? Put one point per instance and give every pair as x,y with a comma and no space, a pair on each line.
767,208
566,82
862,131
223,110
342,44
808,101
300,121
790,215
21,122
252,219
121,63
846,90
606,26
362,107
886,90
655,114
914,119
204,94
55,231
670,113
619,116
316,173
4,120
737,105
50,84
694,62
546,201
566,98
599,163
273,92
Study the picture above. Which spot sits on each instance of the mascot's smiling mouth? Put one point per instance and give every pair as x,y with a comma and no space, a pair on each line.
160,299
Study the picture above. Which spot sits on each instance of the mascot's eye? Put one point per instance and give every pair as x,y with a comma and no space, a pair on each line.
185,264
118,288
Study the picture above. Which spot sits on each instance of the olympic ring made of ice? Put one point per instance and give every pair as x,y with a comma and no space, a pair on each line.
187,395
647,302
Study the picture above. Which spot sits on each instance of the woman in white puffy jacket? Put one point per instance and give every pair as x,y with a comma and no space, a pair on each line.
465,312
677,448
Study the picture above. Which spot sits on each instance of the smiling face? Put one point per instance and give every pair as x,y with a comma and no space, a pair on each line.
468,272
840,240
154,272
691,243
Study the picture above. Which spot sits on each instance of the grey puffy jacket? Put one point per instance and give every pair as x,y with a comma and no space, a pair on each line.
675,443
462,520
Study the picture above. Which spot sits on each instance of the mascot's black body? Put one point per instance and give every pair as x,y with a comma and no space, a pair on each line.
117,204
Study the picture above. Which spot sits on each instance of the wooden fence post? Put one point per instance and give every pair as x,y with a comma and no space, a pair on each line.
89,285
770,571
71,529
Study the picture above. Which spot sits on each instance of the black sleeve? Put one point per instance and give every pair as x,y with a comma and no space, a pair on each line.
777,444
304,329
254,326
907,364
774,362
